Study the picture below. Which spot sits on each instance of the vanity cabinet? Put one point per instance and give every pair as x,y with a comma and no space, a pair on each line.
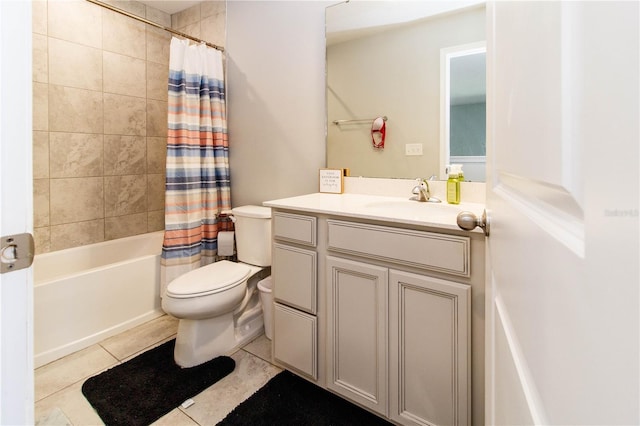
398,342
294,271
382,314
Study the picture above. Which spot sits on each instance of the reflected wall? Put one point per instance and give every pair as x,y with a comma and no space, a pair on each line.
393,73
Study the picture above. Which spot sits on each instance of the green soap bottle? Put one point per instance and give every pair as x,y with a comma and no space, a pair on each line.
453,186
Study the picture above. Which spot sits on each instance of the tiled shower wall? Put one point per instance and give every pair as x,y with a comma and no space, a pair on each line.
99,117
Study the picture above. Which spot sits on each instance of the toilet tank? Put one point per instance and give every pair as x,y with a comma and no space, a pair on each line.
253,234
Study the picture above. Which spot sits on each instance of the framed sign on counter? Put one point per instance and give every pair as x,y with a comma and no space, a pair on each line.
331,181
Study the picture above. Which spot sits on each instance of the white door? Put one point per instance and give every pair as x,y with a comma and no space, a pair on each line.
16,289
562,191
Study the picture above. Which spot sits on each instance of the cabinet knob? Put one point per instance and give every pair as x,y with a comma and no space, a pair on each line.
468,221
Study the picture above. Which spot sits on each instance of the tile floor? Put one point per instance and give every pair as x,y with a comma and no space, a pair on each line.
59,399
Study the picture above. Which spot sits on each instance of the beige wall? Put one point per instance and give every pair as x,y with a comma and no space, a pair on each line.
395,73
276,98
100,102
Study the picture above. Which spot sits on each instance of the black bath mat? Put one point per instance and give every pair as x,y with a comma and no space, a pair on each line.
145,388
289,400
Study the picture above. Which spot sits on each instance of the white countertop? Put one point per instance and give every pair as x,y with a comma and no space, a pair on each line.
383,208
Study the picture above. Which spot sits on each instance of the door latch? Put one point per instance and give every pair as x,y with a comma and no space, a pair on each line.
468,221
16,252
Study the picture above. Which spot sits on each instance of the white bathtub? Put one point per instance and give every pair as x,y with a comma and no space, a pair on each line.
85,294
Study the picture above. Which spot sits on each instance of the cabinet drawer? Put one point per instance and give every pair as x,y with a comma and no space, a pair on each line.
438,252
296,228
294,343
295,272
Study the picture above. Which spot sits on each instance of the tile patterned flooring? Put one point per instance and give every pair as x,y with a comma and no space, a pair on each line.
59,399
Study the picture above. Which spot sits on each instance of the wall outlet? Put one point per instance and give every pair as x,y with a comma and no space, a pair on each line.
413,149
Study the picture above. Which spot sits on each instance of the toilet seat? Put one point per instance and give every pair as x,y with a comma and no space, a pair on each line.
211,279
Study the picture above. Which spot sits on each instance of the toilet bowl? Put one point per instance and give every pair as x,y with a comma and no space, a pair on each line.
218,305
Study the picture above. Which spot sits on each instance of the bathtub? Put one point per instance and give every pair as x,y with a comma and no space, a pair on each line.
85,294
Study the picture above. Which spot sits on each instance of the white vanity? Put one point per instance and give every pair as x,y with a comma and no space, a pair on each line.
381,300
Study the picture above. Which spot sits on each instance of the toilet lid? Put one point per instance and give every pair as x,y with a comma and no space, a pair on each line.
210,279
259,212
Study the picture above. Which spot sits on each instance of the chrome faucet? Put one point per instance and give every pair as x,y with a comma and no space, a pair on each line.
423,192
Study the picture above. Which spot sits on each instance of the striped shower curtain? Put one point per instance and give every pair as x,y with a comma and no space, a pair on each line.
197,182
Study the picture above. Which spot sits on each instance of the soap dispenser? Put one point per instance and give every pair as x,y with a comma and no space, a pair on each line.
460,172
453,185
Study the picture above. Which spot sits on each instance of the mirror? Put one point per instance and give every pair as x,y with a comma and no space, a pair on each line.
383,60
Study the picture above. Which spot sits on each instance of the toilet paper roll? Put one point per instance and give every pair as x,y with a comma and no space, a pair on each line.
225,243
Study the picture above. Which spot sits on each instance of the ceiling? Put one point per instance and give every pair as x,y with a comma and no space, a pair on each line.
170,6
359,18
359,14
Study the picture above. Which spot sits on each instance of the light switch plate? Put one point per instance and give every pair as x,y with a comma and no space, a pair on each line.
413,149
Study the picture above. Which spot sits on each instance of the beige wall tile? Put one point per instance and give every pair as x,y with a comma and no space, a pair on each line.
40,106
124,155
125,195
123,35
39,16
158,46
40,202
78,21
40,61
156,154
157,81
124,115
155,221
186,17
76,154
74,65
76,199
40,155
77,234
134,7
210,8
42,239
213,30
115,137
192,29
125,226
124,75
158,16
156,191
156,118
75,110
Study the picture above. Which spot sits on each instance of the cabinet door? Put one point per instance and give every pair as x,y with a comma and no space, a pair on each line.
429,337
357,332
295,274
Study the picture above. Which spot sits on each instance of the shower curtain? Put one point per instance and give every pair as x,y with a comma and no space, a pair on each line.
197,181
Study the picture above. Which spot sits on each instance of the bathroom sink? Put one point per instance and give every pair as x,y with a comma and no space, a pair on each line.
412,211
412,206
381,208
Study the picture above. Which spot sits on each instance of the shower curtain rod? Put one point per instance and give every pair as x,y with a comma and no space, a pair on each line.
153,24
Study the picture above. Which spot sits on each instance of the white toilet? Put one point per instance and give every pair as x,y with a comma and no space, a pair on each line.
218,305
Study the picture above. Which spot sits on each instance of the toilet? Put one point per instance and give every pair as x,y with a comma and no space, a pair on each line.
218,305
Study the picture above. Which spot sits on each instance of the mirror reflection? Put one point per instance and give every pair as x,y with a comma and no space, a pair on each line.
463,110
391,68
